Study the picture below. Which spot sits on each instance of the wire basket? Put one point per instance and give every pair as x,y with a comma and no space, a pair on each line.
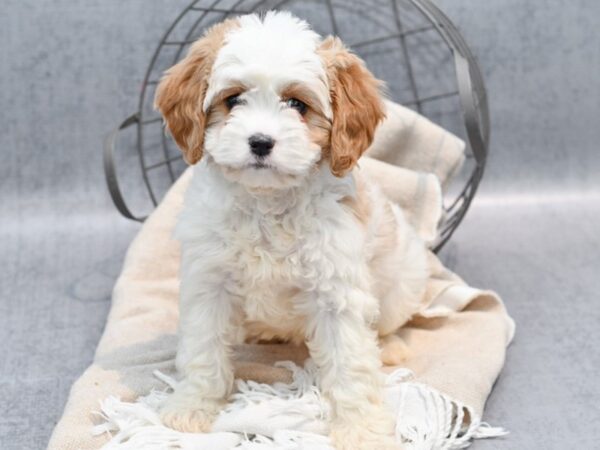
410,44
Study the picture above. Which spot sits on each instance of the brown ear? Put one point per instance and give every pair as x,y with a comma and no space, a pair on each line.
356,103
181,91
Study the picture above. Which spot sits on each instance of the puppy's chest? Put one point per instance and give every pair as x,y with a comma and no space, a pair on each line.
266,271
266,252
278,256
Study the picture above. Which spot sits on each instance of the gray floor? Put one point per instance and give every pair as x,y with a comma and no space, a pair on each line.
70,70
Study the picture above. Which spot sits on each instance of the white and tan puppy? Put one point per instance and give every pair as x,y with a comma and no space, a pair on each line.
281,236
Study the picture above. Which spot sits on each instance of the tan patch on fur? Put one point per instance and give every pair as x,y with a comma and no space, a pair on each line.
218,111
319,126
319,129
361,203
302,93
225,93
356,103
387,234
180,93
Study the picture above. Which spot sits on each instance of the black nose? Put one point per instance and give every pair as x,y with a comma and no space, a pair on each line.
261,144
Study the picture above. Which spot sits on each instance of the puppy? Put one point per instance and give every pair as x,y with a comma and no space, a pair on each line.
282,236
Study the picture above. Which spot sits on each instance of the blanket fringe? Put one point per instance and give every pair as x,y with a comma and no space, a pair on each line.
292,416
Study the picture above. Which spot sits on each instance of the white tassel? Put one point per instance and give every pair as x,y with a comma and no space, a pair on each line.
292,416
430,420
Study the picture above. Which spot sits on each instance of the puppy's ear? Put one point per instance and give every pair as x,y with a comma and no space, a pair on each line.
356,104
180,93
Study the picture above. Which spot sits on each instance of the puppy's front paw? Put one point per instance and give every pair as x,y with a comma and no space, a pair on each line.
192,415
373,433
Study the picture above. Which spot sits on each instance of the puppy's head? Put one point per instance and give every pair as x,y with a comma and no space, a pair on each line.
266,99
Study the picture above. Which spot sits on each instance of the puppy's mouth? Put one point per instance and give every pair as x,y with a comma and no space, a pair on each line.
261,165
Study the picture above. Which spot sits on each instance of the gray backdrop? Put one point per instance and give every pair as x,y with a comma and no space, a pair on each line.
69,71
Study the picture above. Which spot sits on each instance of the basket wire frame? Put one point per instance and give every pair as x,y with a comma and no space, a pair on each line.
470,91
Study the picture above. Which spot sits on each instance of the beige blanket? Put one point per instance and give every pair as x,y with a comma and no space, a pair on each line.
456,344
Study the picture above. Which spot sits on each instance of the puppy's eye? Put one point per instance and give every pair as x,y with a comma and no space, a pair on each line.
297,105
233,100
